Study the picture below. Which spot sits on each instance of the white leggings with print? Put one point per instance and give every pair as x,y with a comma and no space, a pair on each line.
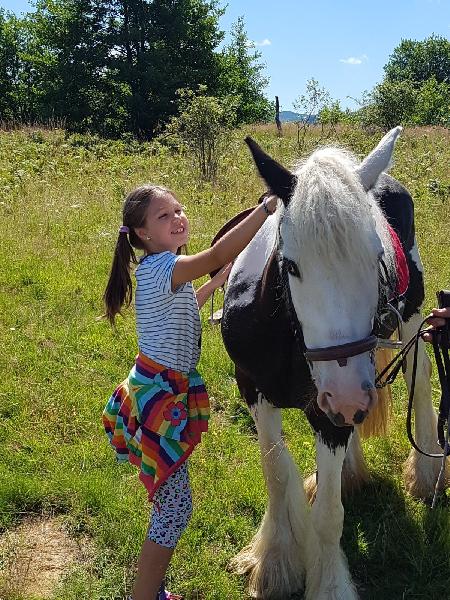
172,509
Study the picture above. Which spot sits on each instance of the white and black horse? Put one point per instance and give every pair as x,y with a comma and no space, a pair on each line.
300,314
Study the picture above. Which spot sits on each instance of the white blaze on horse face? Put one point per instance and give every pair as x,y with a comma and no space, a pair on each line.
335,309
335,302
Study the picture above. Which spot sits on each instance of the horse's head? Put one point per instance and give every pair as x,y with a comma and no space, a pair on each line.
332,236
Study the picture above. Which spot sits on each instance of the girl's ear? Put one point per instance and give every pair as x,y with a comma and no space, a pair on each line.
141,233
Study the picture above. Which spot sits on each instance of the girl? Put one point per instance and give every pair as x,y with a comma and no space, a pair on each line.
156,416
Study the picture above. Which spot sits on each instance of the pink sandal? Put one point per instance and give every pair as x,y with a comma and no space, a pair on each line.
163,594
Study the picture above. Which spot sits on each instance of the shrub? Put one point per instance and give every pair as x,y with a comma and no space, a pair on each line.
202,127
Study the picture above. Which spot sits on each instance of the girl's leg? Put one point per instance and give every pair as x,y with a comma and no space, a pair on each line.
152,566
171,513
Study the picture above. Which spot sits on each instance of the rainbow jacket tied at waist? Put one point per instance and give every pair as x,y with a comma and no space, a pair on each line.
155,419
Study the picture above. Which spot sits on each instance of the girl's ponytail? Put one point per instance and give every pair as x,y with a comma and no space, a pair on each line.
119,290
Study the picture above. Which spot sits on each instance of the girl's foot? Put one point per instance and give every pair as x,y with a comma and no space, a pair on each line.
163,594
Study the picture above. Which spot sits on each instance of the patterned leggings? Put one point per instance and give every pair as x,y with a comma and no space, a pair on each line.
172,509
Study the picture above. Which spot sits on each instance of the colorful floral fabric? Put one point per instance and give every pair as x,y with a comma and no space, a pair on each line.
155,419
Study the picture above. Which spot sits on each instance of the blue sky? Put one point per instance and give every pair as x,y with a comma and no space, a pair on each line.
344,44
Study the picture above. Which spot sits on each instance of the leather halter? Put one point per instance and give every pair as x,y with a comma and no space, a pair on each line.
342,351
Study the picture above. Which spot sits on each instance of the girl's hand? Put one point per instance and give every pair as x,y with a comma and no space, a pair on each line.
271,203
220,278
436,319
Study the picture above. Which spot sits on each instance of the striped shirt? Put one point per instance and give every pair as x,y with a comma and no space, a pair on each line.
168,323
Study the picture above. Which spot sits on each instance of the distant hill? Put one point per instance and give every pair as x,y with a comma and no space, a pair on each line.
289,115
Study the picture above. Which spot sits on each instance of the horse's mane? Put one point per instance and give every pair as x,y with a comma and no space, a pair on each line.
334,216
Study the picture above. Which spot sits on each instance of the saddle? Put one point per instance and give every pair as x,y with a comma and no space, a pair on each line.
232,223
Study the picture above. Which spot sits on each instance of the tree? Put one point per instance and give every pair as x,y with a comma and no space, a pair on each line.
158,47
433,104
415,88
9,64
242,76
67,60
420,61
394,103
110,66
182,39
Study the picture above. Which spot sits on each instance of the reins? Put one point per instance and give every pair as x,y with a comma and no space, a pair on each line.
441,355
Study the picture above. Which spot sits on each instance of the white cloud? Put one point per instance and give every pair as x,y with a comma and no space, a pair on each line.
264,42
354,60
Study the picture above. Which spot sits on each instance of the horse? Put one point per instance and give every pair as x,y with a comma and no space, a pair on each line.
302,312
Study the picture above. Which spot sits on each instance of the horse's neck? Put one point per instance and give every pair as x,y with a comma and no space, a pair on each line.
249,265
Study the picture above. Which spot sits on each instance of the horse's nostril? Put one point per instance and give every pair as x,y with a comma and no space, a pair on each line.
337,419
366,386
359,417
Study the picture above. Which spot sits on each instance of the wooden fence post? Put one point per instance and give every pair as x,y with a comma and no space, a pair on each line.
277,116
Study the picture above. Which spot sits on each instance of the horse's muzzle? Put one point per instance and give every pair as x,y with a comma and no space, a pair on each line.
338,419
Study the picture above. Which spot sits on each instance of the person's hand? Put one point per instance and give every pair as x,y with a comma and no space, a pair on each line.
436,319
220,278
271,203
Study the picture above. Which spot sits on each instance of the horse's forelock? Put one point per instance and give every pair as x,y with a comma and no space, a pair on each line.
332,216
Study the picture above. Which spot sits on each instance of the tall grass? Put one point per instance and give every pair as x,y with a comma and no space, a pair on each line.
60,209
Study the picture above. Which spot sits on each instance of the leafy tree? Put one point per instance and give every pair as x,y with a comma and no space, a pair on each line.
159,47
9,64
242,76
415,88
419,61
67,60
331,115
394,103
114,66
433,104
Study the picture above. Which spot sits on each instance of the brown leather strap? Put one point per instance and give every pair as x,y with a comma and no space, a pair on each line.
342,352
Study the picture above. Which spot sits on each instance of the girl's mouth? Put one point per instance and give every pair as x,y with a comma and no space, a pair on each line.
179,230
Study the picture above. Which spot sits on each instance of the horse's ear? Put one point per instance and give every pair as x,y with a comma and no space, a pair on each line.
279,180
378,160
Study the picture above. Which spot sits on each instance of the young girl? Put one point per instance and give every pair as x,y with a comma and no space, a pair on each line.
156,416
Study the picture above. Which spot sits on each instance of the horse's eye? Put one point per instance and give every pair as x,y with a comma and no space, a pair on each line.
292,268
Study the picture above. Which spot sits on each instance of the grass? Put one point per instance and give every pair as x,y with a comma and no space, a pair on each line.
60,208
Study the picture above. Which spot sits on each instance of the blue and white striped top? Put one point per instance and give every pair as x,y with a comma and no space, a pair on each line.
168,323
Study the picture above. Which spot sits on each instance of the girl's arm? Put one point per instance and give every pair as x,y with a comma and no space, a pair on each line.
205,291
225,250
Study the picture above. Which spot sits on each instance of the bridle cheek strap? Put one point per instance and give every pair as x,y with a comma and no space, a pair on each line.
342,352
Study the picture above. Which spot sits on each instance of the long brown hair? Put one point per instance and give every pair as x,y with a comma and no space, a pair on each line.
119,290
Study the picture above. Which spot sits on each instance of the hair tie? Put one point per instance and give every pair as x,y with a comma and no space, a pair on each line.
124,229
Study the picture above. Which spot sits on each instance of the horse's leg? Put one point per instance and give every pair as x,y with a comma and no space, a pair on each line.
421,472
328,577
354,471
275,557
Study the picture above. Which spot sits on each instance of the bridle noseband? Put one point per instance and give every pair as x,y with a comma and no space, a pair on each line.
343,351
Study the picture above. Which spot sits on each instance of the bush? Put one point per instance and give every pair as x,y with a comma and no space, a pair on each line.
202,127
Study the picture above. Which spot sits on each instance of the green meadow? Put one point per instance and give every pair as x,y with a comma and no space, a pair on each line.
60,208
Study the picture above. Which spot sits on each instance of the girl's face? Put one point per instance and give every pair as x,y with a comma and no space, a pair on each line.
166,226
